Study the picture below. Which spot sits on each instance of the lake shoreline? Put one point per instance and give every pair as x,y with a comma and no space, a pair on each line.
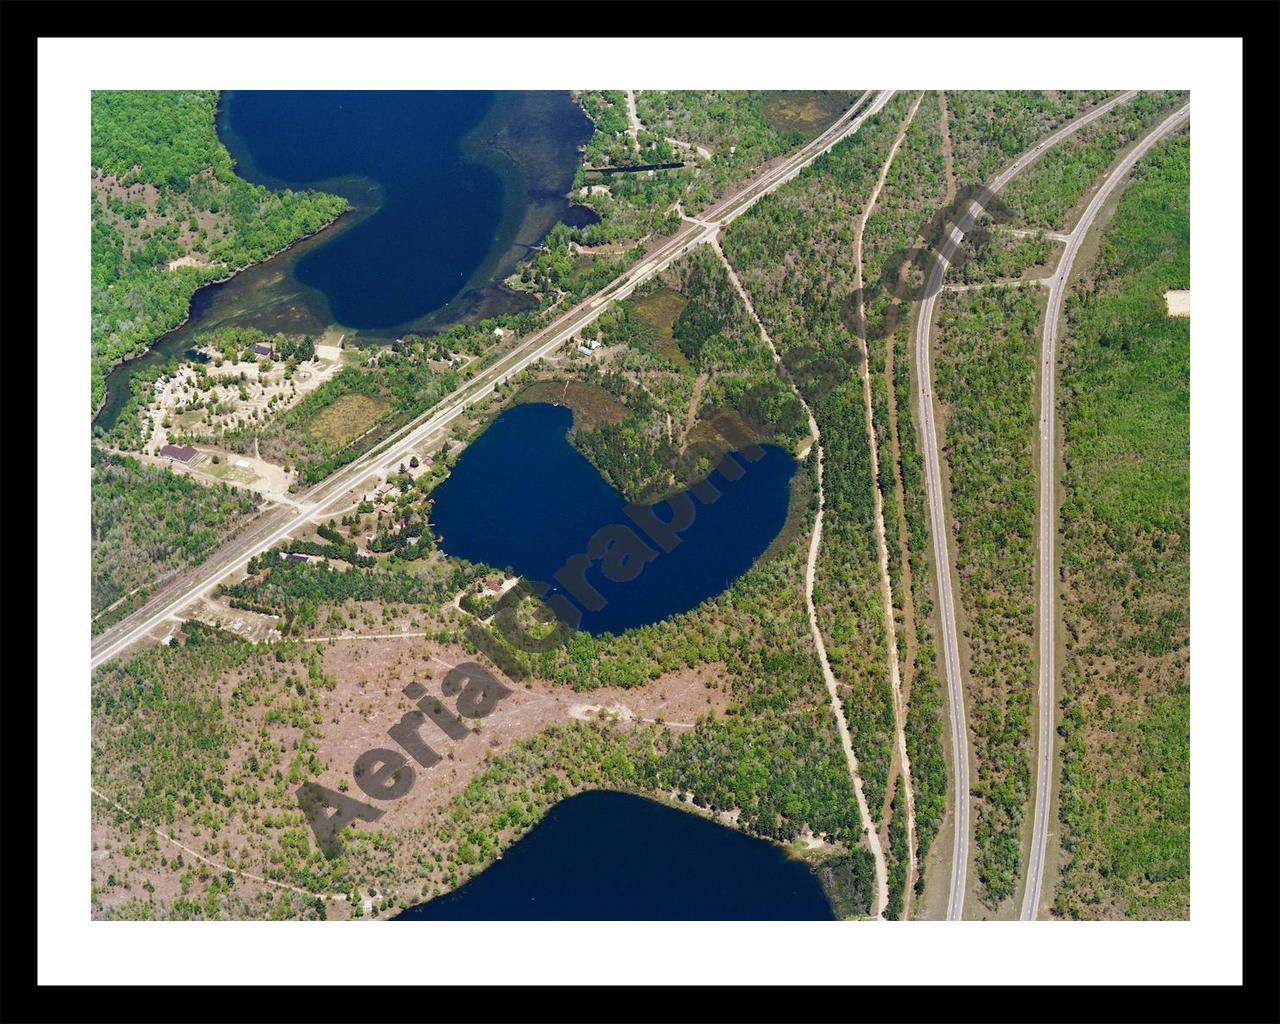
186,319
522,497
519,128
619,833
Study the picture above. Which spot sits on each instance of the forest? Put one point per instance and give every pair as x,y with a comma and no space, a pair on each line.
990,128
806,228
916,185
985,376
773,754
148,522
1050,192
164,189
921,682
722,137
296,591
1125,555
741,130
680,353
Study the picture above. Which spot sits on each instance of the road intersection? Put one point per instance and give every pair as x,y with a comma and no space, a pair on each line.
278,524
937,513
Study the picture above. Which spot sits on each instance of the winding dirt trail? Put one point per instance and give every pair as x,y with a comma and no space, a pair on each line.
947,159
341,896
882,549
868,825
632,120
695,399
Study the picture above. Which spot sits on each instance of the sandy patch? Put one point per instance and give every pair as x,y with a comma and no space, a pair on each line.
187,261
369,699
1178,302
261,394
689,147
247,470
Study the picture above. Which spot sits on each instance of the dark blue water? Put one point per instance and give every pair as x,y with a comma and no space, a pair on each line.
440,211
521,497
580,217
448,192
604,856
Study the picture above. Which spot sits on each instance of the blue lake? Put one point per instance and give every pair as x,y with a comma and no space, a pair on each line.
448,191
439,212
602,856
521,497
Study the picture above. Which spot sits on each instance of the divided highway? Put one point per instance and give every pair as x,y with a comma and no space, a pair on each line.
1048,513
278,524
937,517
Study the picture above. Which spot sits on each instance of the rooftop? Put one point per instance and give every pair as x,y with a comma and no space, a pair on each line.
181,452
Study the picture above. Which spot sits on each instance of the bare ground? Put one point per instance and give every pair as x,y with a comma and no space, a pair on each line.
900,766
371,672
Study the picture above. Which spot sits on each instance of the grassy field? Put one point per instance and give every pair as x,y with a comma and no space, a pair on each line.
345,418
227,471
1125,805
807,112
662,308
592,405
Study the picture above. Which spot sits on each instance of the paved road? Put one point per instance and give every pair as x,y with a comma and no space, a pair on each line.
937,518
278,524
1048,512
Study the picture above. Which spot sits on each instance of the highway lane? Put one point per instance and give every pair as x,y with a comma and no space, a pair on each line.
1048,513
937,518
385,457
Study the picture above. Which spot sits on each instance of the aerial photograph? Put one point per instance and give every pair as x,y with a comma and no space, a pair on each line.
639,505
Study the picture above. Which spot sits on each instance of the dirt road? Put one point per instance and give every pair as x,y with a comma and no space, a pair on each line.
632,119
815,541
882,549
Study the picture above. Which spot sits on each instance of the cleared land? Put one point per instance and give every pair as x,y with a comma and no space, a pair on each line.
723,707
345,419
1178,301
